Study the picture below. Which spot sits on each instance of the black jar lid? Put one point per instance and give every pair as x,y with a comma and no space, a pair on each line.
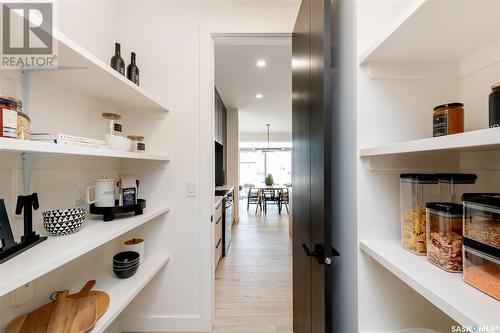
429,178
457,178
8,101
484,248
485,199
449,106
446,208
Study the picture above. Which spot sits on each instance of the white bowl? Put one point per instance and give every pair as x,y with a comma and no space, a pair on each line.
116,142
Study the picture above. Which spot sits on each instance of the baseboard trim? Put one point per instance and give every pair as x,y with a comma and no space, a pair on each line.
189,323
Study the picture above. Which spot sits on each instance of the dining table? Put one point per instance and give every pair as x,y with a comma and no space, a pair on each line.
261,188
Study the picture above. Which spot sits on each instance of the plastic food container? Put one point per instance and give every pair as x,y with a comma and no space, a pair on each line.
416,190
453,185
482,267
448,119
444,235
482,218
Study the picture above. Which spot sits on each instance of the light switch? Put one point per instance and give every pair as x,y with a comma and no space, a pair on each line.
23,294
191,189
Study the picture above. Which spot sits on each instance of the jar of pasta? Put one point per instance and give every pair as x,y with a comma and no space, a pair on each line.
416,190
444,235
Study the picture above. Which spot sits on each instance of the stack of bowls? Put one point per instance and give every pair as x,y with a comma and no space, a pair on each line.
62,222
125,264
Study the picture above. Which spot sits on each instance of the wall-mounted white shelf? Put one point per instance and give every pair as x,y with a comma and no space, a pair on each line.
447,291
57,251
37,147
424,32
82,71
122,292
469,141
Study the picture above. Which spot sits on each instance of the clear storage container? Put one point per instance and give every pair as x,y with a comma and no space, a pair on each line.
416,190
482,267
482,217
444,235
453,185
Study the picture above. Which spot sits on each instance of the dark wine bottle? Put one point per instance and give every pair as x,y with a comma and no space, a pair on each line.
133,70
117,62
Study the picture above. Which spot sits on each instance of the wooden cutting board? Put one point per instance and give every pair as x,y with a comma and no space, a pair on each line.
72,315
38,321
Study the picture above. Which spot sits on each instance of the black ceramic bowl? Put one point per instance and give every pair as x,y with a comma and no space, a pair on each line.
126,258
125,274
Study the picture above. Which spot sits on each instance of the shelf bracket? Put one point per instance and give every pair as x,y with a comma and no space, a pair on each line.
27,162
26,79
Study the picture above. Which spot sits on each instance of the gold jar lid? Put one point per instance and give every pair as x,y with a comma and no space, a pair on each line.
111,116
496,85
135,137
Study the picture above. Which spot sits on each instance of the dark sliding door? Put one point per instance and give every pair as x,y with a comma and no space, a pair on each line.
313,254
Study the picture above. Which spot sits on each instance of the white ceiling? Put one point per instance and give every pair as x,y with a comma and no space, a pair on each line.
238,80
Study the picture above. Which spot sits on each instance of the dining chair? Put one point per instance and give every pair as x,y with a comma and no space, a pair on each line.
271,197
253,196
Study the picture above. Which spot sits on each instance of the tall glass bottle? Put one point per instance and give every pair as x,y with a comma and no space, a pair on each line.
133,70
117,62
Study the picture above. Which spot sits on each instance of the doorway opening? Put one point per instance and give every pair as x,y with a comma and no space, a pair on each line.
253,156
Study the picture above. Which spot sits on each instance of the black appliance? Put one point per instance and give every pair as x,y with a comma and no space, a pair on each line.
219,164
227,214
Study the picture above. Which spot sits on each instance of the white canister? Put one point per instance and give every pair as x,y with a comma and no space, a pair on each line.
136,245
104,193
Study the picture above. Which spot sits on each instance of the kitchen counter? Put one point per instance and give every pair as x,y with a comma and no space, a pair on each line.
224,189
217,200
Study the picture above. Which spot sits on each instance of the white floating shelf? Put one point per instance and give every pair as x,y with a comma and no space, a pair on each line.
122,292
82,71
57,251
28,146
469,141
447,291
423,33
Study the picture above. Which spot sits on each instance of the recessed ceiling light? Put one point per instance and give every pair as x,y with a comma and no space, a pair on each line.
259,96
261,63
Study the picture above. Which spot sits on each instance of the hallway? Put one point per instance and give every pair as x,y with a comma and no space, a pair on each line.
253,286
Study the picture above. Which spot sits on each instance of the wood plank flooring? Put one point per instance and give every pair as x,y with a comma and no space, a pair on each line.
253,286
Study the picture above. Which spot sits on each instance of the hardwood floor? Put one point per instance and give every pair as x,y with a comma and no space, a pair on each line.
253,286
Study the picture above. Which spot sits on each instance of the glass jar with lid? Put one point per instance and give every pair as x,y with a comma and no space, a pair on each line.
453,185
444,235
482,218
112,123
8,117
137,145
448,119
416,190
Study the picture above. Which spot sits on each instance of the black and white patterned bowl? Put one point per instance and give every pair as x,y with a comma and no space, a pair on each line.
63,222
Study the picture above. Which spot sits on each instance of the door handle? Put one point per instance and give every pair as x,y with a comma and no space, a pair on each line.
319,253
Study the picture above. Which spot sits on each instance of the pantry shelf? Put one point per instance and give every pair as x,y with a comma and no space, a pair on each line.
447,291
469,141
122,292
82,71
423,34
28,146
57,251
